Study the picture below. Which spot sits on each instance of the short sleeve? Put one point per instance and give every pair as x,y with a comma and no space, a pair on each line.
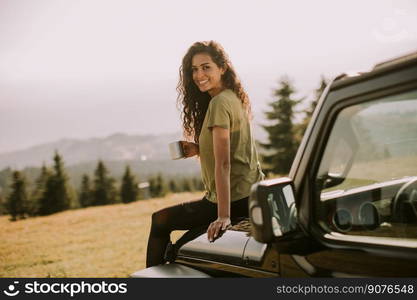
218,113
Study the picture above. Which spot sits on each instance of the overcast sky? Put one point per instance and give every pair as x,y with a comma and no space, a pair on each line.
80,69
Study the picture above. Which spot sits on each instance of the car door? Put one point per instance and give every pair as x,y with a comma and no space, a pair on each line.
360,191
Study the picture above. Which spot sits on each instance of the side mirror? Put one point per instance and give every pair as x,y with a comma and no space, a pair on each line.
272,209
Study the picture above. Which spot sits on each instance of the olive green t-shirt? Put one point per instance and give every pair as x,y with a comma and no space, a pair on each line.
226,111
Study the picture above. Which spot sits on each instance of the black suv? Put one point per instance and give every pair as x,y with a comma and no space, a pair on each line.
349,205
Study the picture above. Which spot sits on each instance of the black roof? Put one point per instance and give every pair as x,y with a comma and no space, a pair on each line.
380,68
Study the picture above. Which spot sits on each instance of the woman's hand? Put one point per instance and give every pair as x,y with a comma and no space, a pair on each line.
189,149
217,227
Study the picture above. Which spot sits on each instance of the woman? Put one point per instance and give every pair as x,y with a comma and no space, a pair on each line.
216,115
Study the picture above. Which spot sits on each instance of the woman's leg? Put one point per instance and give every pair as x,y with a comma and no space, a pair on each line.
184,216
239,210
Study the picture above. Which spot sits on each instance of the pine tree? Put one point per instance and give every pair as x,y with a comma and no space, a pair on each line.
160,189
104,191
57,195
2,208
129,188
173,186
17,197
186,185
62,193
39,191
2,205
6,176
86,194
152,187
282,145
197,184
47,203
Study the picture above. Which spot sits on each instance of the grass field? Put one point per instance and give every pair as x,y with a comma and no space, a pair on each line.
104,241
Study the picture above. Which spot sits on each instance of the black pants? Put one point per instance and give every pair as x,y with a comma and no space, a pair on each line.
185,216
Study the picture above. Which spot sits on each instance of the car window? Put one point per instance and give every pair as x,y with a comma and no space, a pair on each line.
367,179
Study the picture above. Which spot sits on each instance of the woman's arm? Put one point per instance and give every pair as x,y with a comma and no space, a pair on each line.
221,148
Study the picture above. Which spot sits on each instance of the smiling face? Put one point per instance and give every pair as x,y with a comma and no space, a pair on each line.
206,74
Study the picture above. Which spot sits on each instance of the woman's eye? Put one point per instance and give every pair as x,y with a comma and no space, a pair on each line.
206,67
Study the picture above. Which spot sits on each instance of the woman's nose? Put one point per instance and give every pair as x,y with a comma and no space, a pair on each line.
198,74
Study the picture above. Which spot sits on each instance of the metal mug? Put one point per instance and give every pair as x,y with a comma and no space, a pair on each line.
176,151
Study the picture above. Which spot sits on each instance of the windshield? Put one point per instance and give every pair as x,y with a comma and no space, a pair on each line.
367,179
371,143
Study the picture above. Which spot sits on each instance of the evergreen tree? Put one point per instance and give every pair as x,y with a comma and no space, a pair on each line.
129,188
152,187
47,204
5,182
173,186
17,197
282,146
57,195
62,190
86,194
39,191
157,186
2,205
198,184
160,189
104,191
186,185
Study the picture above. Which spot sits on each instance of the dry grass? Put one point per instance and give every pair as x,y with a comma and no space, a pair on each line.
105,241
385,169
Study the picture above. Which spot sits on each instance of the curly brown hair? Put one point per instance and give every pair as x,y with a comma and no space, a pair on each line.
194,103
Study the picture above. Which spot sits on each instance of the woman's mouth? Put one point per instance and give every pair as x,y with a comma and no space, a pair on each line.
202,82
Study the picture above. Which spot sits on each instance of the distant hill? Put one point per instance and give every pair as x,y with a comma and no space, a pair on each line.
147,155
116,147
